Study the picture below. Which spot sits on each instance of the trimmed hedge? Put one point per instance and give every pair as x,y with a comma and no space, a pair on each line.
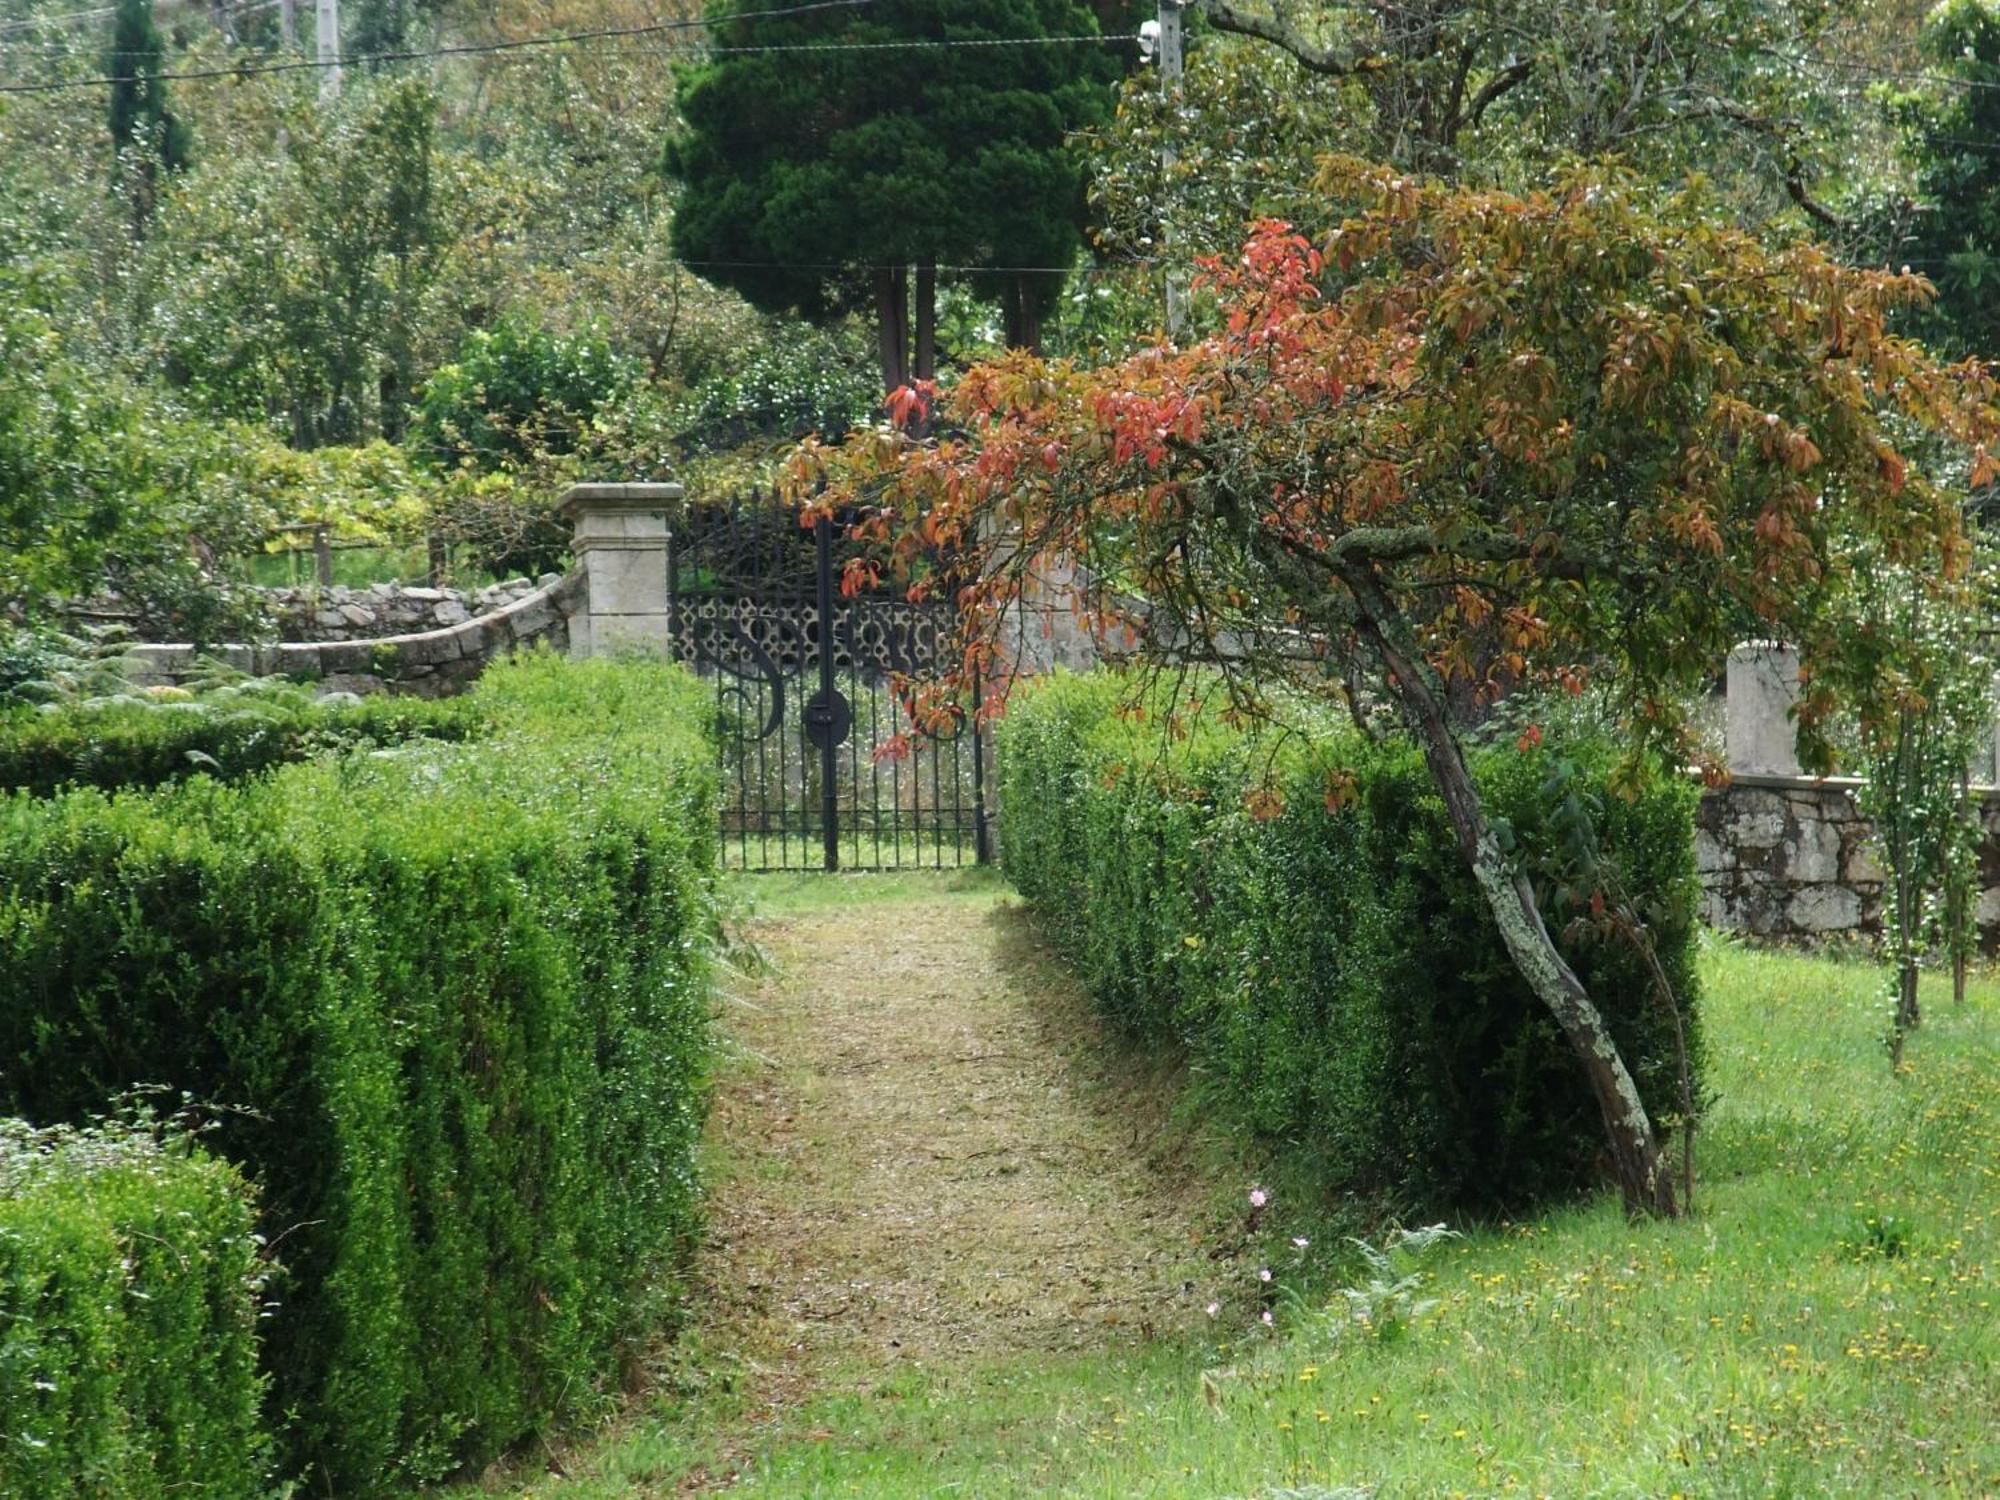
450,1005
1337,971
129,1289
141,740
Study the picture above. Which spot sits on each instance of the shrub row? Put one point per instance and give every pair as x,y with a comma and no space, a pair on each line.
1333,966
447,1004
130,1282
141,740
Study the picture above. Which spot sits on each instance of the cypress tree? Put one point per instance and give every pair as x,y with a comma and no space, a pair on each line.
139,117
823,182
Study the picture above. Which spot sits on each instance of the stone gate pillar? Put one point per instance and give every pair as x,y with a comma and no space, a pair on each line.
1761,687
621,549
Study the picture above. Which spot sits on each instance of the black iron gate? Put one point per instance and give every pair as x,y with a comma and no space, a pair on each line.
817,773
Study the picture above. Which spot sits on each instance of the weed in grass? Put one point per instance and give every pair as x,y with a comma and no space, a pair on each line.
1878,1236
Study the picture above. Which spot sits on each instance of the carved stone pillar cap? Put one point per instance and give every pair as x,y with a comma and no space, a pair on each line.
618,497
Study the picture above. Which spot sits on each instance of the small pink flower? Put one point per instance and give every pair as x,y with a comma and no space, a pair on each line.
1258,1197
1214,1308
1268,1319
1264,1273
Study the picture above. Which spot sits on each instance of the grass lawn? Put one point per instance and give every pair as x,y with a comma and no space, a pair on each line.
1827,1324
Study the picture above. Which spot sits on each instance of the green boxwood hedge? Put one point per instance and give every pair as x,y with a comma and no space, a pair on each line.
130,1282
140,740
448,1005
1333,968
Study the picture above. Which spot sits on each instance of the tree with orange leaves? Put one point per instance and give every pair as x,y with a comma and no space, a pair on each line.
1473,439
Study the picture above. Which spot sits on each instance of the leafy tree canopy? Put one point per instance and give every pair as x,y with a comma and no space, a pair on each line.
799,166
1473,438
1955,139
1756,95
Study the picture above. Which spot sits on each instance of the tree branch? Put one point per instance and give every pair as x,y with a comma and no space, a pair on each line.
1317,56
1794,166
1504,82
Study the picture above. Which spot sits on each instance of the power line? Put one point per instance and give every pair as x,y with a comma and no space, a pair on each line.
65,18
78,47
1870,73
918,45
307,65
460,49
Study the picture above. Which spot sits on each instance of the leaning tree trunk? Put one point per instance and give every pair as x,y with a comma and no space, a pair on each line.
1635,1150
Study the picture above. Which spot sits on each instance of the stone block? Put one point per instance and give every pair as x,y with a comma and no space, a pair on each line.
1987,911
1858,865
429,647
1825,908
1756,829
627,581
532,616
613,633
1711,854
1812,853
298,659
347,656
164,661
494,633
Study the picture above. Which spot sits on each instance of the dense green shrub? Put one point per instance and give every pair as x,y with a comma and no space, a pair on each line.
809,384
1333,967
130,1281
449,1005
136,739
515,390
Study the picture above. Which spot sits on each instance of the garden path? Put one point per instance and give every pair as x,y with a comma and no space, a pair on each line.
931,1156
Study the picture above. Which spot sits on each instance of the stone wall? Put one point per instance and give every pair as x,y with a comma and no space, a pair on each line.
430,663
1787,856
1790,859
1786,860
387,609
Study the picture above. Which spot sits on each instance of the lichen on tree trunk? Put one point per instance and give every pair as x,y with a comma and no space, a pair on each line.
1634,1147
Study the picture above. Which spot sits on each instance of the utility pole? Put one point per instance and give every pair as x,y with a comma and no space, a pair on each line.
1170,89
288,24
326,32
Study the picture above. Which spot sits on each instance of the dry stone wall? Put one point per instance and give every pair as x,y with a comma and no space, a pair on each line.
1790,860
387,609
431,663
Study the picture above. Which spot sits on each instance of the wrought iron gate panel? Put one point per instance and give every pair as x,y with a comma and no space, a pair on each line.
804,699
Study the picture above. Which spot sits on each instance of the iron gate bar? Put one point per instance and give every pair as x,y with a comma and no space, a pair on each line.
829,792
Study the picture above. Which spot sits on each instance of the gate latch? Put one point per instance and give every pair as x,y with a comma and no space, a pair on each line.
828,718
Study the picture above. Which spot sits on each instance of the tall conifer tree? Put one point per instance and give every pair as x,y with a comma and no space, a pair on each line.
928,133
